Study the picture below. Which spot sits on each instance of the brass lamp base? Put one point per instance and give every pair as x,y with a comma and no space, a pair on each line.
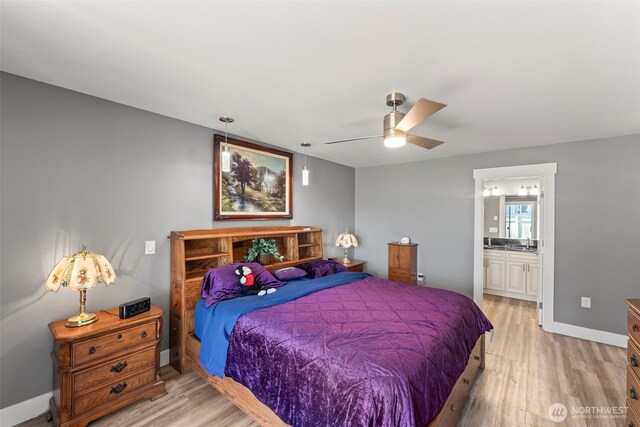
81,319
345,260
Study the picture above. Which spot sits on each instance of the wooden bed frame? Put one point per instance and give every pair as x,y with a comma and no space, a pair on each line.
196,251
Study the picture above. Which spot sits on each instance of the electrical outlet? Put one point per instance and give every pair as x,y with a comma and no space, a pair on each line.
420,279
586,302
149,247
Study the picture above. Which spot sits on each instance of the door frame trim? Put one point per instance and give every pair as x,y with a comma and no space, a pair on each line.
547,173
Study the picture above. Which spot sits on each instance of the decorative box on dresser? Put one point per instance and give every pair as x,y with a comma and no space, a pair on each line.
403,262
104,366
633,361
353,265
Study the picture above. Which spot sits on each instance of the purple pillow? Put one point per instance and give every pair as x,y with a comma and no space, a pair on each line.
290,273
222,283
321,267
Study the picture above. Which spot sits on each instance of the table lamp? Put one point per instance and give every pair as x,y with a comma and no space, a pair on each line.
79,272
346,240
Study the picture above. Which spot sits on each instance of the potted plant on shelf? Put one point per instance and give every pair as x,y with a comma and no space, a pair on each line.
263,249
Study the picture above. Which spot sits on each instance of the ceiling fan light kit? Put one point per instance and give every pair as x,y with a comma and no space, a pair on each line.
396,124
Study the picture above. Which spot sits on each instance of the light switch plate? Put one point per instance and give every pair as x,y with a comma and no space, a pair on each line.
149,247
586,302
495,217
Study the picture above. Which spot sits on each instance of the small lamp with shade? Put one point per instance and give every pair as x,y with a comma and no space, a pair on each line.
346,240
79,272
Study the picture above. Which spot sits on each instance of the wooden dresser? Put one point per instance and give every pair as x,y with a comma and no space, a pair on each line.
403,262
633,363
104,366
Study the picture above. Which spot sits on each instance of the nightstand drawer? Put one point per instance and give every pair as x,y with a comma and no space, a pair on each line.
113,391
98,348
113,370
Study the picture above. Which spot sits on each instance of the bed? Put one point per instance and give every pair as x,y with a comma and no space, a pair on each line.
343,349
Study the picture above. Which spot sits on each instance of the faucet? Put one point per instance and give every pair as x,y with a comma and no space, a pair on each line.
528,242
489,242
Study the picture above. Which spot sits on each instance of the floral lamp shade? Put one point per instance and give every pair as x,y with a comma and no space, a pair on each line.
346,240
79,272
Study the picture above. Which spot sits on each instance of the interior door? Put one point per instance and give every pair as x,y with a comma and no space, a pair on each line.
538,276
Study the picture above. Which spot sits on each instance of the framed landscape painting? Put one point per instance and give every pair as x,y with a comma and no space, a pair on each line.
251,181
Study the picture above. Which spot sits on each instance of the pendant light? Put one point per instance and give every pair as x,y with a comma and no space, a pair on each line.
305,170
226,155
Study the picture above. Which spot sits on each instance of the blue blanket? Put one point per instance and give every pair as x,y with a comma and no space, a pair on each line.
214,325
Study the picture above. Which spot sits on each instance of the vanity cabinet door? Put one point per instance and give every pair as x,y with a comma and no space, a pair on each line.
495,274
516,276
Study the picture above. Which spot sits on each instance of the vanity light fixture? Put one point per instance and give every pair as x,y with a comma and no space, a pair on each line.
226,155
305,169
491,191
528,191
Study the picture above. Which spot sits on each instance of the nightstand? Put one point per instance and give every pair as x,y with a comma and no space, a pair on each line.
104,366
354,265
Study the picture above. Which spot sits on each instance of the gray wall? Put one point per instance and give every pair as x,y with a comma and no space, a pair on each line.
597,222
491,210
76,168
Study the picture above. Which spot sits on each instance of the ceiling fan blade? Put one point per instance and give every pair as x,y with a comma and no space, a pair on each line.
353,139
420,141
423,109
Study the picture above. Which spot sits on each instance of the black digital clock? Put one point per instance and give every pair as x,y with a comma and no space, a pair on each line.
134,307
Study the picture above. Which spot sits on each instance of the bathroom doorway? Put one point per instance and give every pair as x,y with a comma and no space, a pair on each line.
514,235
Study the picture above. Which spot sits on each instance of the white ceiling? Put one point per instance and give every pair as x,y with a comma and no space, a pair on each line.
513,74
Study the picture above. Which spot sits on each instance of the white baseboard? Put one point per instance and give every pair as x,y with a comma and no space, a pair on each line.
590,334
23,411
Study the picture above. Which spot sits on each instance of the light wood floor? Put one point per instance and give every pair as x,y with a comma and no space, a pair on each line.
526,371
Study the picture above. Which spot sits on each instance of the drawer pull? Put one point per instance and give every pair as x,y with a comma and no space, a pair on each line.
92,350
476,357
635,327
633,393
143,334
119,336
634,361
454,408
119,367
466,381
118,389
631,424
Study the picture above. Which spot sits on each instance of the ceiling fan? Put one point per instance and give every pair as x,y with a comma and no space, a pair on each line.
397,124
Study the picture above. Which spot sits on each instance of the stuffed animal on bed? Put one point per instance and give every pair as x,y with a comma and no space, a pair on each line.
249,284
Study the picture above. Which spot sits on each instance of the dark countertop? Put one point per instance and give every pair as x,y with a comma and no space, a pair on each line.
511,248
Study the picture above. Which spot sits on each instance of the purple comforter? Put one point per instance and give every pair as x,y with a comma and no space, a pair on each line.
373,352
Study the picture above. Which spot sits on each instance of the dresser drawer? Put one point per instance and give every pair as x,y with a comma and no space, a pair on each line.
98,348
633,391
113,391
633,358
113,370
402,278
400,272
632,419
633,325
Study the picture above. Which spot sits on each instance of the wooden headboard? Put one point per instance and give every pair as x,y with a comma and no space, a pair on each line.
194,252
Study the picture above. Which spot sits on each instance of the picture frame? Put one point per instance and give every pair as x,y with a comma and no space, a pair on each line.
257,182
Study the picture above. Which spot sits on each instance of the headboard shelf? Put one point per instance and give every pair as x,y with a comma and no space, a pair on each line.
194,252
